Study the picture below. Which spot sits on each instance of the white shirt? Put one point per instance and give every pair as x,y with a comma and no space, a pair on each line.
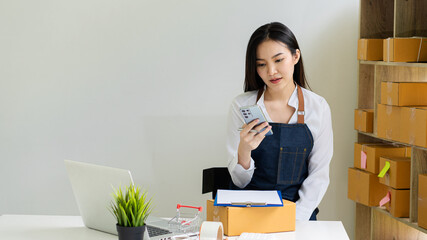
318,119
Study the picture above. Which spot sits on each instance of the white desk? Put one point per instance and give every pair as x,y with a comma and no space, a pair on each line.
34,227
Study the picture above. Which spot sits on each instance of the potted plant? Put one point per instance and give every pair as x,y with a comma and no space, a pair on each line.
131,208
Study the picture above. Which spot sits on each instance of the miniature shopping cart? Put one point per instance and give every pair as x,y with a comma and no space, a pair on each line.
186,220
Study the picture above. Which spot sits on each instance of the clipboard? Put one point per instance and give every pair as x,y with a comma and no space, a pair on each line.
248,198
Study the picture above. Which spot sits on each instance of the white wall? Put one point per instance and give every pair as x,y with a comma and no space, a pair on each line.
146,86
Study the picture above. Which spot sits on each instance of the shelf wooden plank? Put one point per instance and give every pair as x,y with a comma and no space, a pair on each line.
389,141
418,166
405,64
363,222
411,18
364,138
377,97
401,73
385,226
366,86
376,19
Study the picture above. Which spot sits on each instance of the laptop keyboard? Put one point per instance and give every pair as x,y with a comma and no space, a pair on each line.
155,231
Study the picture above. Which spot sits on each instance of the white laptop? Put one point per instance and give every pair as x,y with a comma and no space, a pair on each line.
93,186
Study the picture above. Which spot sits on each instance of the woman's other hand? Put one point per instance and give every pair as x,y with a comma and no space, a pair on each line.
250,140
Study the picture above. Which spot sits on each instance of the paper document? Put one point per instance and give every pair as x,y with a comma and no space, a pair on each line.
248,197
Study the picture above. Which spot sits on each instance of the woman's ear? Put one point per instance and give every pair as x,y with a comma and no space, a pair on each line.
296,56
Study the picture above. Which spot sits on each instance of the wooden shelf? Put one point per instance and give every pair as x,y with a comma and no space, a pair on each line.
376,19
405,64
392,142
405,221
410,18
383,19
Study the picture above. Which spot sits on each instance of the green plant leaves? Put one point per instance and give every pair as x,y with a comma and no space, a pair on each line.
132,208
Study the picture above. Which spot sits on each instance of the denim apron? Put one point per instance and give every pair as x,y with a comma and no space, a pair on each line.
281,160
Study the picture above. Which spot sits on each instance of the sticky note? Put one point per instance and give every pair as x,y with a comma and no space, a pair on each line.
385,199
363,160
385,169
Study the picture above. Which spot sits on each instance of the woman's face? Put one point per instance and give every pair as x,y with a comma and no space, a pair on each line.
275,64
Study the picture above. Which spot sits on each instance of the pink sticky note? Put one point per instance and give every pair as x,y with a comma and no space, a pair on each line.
385,199
363,159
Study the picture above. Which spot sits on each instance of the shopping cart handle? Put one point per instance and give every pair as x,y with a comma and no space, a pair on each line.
178,206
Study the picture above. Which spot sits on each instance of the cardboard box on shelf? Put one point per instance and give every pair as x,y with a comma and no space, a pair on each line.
398,175
364,187
373,152
403,124
398,206
422,200
370,49
364,120
414,126
388,122
405,49
404,94
237,220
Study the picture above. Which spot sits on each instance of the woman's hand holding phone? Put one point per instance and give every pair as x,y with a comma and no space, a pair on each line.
250,140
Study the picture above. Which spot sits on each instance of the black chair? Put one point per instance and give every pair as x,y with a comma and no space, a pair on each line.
214,179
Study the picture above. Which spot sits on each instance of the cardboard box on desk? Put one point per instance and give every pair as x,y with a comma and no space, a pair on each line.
398,206
399,174
237,220
404,94
422,200
373,152
364,120
405,49
365,188
370,49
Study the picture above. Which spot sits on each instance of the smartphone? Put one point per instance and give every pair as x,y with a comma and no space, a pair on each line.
253,112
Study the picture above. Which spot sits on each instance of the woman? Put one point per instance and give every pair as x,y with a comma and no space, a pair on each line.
295,159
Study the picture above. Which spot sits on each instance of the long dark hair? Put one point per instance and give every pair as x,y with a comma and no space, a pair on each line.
277,32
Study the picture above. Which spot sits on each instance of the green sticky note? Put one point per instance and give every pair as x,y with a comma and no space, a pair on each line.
385,169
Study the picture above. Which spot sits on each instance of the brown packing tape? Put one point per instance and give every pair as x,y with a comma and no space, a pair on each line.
388,49
389,87
387,179
412,120
389,91
412,117
388,110
363,45
389,133
412,139
389,100
419,49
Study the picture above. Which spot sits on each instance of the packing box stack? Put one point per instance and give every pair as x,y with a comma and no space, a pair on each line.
396,174
364,185
364,120
367,155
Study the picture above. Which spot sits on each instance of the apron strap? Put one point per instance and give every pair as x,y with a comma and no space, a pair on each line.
300,111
